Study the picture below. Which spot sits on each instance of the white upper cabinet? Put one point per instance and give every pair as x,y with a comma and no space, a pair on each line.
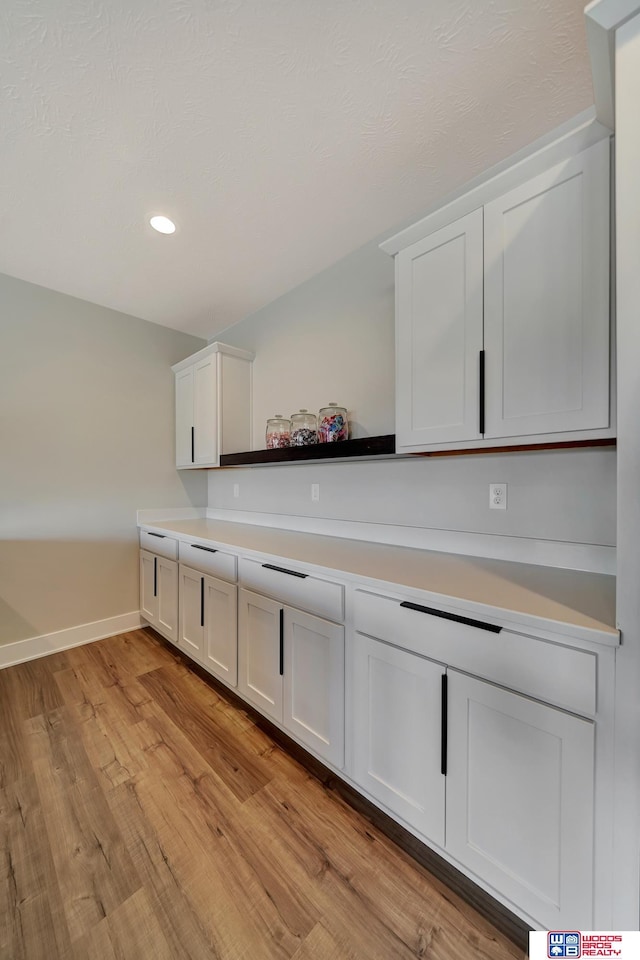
502,315
213,405
440,284
546,314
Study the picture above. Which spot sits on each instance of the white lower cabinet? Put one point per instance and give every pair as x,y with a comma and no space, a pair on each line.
291,667
208,629
259,652
313,705
159,593
519,799
397,711
502,782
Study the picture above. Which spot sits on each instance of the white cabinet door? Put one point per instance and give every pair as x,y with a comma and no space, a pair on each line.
167,581
439,336
220,653
148,587
191,593
205,411
184,418
546,318
397,721
260,652
520,782
314,683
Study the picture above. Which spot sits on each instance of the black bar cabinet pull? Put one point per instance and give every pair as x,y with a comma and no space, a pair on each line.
491,627
443,726
161,536
155,576
281,642
202,601
292,573
193,444
481,388
196,546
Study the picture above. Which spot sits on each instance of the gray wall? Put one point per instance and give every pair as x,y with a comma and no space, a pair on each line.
87,438
332,338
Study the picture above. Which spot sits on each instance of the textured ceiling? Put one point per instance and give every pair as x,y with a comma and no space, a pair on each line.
279,134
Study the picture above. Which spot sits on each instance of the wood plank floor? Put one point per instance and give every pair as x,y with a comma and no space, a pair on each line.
143,816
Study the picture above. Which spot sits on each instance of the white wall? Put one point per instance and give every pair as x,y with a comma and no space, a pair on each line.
87,438
562,495
332,339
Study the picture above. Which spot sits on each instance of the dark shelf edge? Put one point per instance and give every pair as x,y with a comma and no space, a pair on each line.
385,446
345,449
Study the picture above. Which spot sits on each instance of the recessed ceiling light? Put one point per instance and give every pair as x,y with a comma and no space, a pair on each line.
163,224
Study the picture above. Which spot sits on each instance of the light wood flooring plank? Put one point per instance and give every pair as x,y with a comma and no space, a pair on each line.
191,808
94,870
132,930
31,686
32,924
184,930
242,772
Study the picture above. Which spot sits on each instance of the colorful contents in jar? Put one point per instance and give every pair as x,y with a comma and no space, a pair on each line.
333,427
302,436
276,439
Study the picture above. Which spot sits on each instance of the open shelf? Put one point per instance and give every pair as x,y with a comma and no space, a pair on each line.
341,450
383,447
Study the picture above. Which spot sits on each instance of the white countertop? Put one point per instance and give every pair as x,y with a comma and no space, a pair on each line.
571,602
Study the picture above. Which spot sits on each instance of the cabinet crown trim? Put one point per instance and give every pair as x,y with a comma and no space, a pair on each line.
560,144
210,349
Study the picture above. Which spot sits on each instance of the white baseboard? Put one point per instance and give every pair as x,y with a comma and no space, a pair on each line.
590,557
34,647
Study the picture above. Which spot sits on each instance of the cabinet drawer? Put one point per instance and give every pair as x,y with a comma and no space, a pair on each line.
294,587
543,670
158,543
209,560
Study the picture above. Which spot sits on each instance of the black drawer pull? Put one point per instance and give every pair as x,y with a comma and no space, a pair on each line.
160,536
491,627
155,576
196,546
202,601
193,444
292,573
443,726
281,642
481,392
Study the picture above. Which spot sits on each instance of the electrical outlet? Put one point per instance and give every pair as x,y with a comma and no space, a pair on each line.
236,490
498,496
315,491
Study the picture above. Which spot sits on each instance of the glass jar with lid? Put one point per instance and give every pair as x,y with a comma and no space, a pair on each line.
304,428
278,432
332,424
